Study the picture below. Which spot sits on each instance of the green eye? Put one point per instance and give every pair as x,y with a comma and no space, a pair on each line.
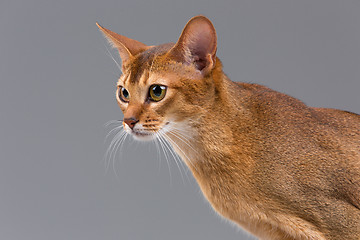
124,94
157,92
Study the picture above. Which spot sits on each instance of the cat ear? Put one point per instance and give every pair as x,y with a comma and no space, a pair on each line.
127,47
197,44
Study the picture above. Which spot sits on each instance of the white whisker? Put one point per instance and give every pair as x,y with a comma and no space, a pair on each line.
158,137
158,152
113,130
172,153
111,56
182,129
116,145
112,122
178,158
164,141
110,151
119,145
181,137
185,155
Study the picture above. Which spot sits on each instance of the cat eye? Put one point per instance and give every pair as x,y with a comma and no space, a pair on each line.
124,94
157,92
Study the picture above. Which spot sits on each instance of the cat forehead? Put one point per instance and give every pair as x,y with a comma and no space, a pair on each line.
153,66
144,62
146,79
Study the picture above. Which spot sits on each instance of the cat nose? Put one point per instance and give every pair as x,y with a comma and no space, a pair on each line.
131,122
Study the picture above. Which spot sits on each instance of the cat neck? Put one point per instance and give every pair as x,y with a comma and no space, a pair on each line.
206,145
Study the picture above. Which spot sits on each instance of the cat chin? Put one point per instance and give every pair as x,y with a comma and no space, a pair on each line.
143,136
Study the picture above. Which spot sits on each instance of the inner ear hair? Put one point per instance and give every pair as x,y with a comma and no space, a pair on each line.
127,47
197,44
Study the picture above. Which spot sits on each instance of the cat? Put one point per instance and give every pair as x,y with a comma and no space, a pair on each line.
264,160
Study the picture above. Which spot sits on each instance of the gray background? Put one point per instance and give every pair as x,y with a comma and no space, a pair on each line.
57,92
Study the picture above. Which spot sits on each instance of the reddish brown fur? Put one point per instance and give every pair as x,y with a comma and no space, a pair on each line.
276,167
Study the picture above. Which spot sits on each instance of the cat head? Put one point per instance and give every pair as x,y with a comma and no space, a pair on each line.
169,86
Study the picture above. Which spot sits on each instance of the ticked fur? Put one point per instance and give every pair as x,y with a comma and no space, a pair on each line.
264,160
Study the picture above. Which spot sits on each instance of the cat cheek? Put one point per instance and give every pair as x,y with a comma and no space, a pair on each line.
122,106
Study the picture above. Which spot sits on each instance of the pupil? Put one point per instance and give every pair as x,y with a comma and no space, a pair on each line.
125,93
157,91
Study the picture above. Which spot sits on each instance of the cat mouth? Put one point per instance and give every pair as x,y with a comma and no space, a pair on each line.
141,133
143,136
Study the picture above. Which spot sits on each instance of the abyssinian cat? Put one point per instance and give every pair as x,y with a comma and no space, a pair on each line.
264,160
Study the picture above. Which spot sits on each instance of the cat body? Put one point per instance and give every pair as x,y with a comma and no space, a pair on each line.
264,160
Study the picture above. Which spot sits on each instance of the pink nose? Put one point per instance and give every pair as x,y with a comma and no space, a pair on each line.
131,122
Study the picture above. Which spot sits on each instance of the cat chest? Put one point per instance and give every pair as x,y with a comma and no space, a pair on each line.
226,199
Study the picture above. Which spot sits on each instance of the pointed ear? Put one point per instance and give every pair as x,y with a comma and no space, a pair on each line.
197,44
127,47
